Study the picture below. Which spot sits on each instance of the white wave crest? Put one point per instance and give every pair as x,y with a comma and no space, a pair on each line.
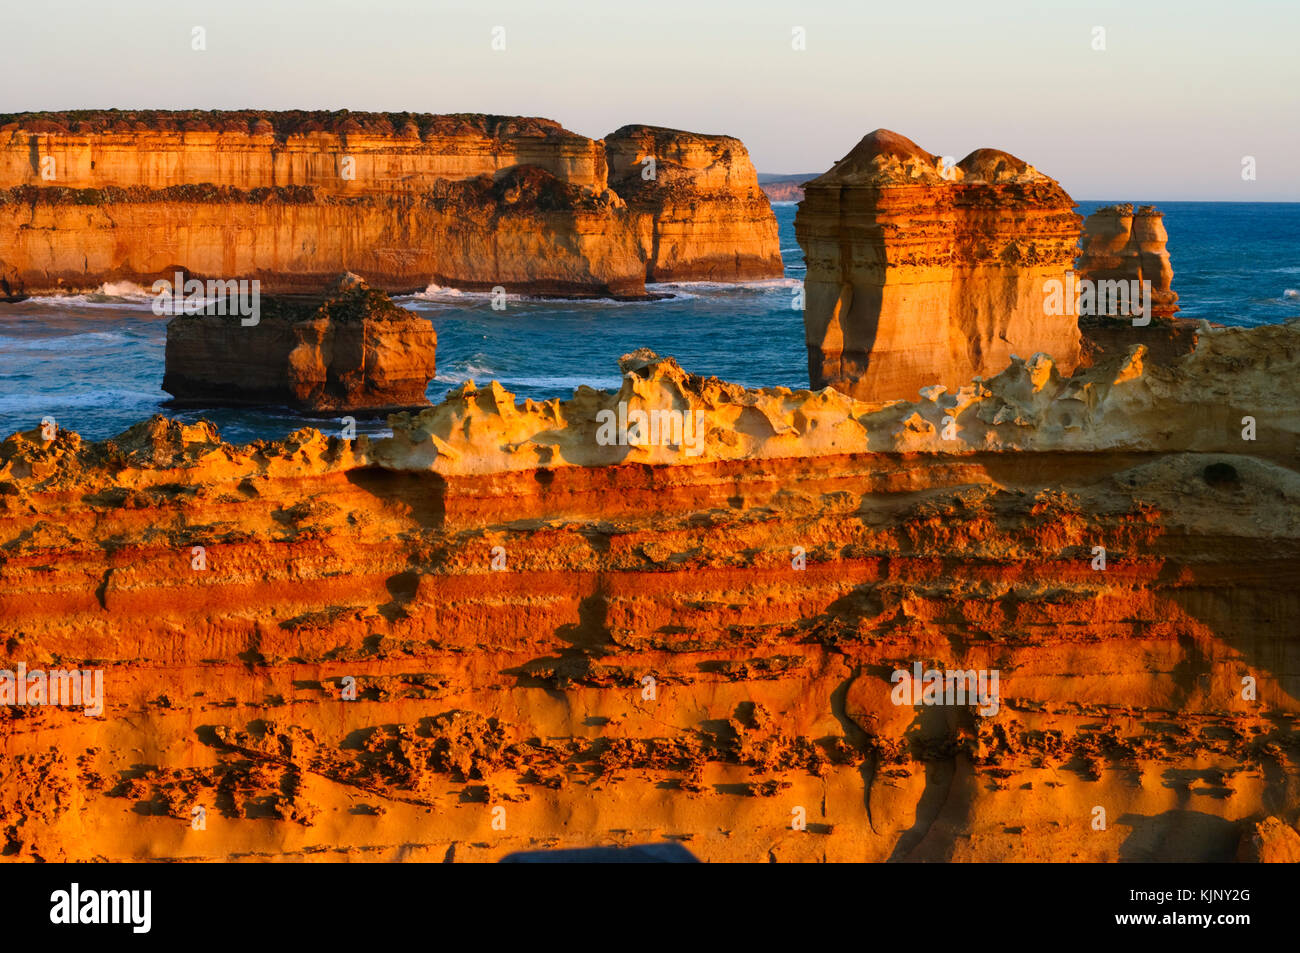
65,342
764,284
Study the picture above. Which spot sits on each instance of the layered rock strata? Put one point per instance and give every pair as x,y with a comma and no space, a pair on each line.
785,190
402,199
517,625
697,208
921,273
356,351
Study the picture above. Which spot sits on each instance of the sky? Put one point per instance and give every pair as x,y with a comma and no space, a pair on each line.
1141,100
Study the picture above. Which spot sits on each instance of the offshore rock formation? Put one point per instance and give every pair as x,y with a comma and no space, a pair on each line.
355,351
1122,245
920,274
403,199
372,649
698,210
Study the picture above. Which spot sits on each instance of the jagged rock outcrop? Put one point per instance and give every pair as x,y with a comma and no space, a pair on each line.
387,642
354,351
698,210
1120,244
403,199
920,274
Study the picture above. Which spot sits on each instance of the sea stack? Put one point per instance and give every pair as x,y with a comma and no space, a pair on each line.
1122,249
355,351
1120,244
921,272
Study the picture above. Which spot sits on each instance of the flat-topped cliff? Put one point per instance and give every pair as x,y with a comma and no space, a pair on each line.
249,149
699,211
402,199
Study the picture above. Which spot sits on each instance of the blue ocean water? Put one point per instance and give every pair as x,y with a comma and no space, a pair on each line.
95,362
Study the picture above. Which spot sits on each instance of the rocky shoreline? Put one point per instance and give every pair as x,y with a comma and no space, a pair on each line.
492,609
680,610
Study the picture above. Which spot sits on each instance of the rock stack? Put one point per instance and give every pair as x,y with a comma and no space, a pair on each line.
1120,244
1127,247
923,273
355,351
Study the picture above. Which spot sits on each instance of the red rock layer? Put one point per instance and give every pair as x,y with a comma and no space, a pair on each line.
500,619
404,200
921,275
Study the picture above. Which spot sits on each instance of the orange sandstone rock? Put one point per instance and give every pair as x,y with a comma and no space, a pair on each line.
920,274
389,641
403,199
695,199
1120,244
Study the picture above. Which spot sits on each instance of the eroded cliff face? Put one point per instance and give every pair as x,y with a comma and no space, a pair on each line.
785,190
251,149
698,210
402,199
920,274
501,629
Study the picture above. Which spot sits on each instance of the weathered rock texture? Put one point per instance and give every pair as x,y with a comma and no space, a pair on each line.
403,199
355,351
921,275
1122,245
698,211
500,587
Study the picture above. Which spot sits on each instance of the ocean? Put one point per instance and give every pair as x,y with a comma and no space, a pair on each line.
94,363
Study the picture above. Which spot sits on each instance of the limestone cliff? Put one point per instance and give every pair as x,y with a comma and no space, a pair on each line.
696,204
784,190
355,351
920,274
403,199
379,648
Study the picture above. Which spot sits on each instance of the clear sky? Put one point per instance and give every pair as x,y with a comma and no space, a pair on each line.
1182,92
